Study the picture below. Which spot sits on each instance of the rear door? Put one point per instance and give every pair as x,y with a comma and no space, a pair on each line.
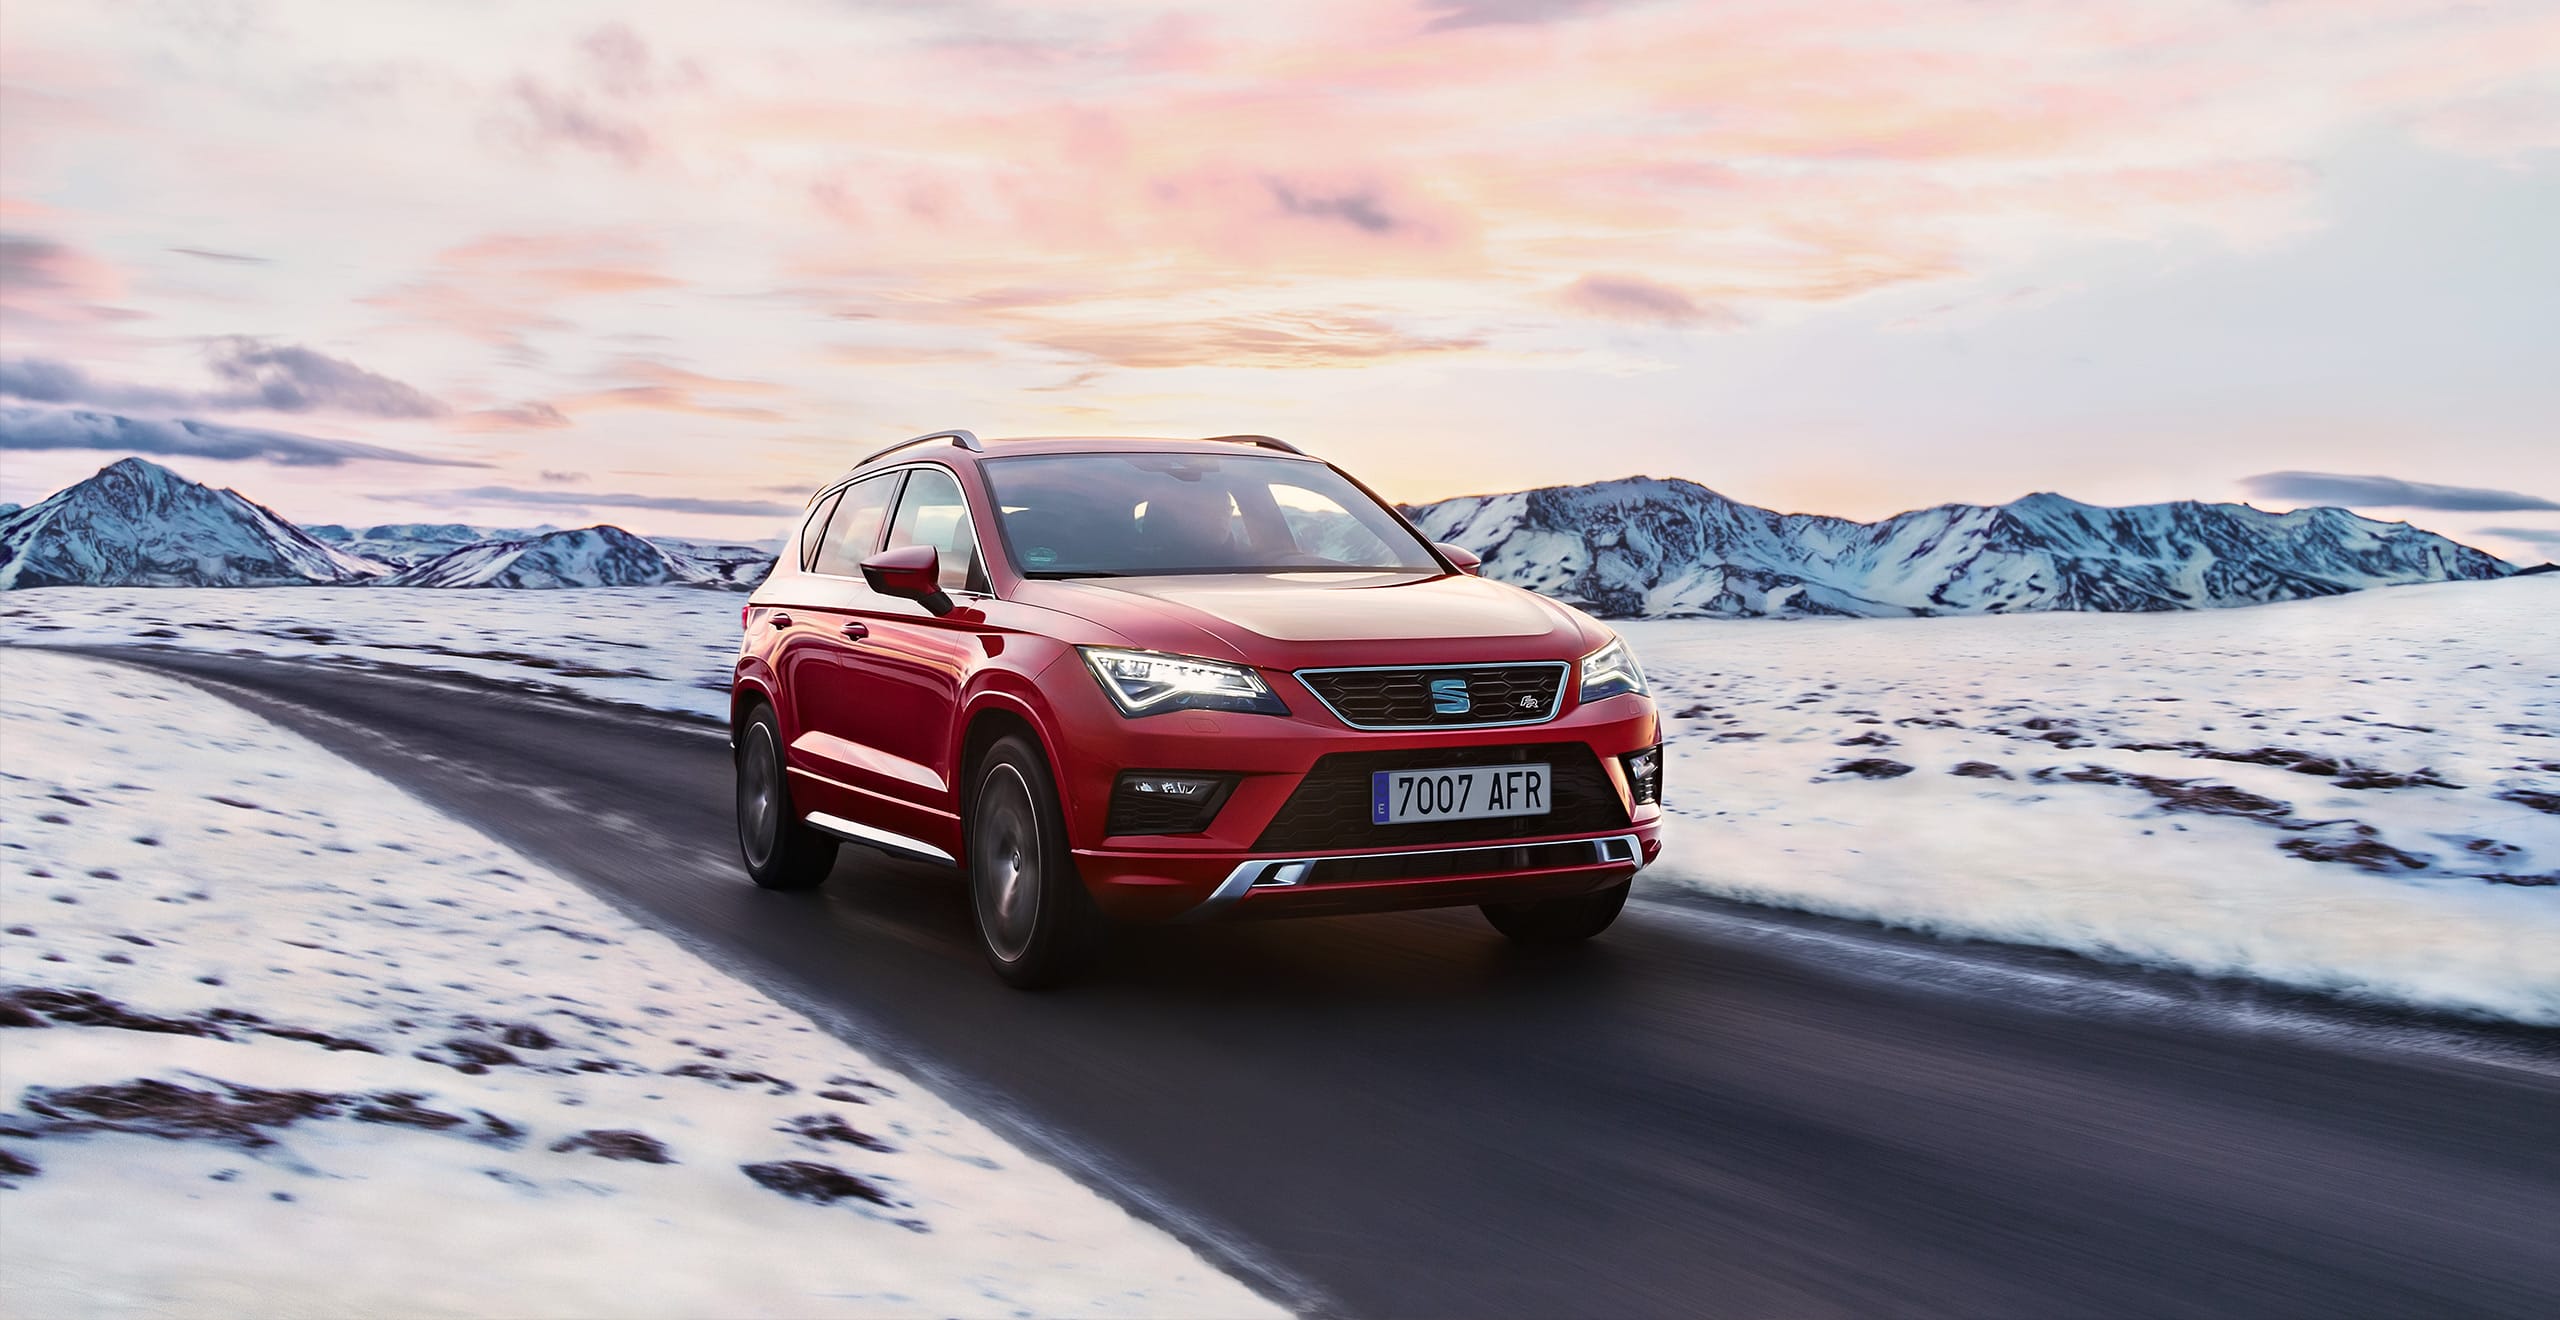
815,653
912,665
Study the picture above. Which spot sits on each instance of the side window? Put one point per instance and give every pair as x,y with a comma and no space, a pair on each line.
933,513
854,533
815,529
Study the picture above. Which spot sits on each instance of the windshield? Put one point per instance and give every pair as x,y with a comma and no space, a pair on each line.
1128,515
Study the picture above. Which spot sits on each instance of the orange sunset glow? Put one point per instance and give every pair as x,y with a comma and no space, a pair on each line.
1850,258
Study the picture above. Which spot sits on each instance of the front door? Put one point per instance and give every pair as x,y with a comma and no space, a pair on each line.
815,655
911,665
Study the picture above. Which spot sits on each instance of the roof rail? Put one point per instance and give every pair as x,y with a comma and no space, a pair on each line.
1263,440
964,439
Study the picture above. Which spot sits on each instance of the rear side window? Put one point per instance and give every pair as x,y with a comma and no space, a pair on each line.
815,530
933,513
854,532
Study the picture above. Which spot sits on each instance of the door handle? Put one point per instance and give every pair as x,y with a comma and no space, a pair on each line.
857,630
782,621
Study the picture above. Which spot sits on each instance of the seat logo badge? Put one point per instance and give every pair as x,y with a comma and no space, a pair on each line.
1449,696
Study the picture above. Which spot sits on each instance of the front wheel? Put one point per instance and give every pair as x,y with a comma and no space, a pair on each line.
1559,920
1036,924
780,852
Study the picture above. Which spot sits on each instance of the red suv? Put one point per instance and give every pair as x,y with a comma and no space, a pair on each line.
1158,680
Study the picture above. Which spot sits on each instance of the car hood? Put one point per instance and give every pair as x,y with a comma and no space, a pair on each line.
1321,617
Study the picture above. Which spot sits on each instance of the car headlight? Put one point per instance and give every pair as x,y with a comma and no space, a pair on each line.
1151,683
1611,671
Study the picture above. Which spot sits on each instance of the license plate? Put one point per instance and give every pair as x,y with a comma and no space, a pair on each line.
1401,797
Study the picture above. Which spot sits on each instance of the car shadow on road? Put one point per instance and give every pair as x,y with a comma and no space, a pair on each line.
1322,962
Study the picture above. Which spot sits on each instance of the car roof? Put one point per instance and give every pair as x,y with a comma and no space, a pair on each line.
1007,446
1081,444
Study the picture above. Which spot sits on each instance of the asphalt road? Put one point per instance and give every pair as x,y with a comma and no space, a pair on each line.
1400,1115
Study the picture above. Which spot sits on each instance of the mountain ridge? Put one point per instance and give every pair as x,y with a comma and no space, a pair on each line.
1653,547
1633,547
598,556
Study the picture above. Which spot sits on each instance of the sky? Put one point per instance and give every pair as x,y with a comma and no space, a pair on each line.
673,265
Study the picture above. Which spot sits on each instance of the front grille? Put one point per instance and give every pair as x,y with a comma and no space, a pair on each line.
1440,696
1330,808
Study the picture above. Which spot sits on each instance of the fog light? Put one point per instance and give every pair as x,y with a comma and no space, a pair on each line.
1644,775
1166,802
1175,786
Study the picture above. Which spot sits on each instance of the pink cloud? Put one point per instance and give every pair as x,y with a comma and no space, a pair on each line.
44,282
500,288
1315,339
660,398
1634,298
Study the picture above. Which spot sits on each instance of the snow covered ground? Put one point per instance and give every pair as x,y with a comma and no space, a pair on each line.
2354,794
289,1043
2053,779
663,648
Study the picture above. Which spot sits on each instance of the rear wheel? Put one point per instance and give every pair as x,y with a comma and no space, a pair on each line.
1559,920
1036,924
780,852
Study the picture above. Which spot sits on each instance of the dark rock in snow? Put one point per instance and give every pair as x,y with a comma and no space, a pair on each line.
466,1055
2547,803
830,1127
820,1184
322,1039
616,1144
527,1037
2196,795
22,1006
728,1076
401,1109
1872,767
153,1108
2351,843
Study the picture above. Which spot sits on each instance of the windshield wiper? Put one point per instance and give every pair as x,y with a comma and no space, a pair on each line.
1055,574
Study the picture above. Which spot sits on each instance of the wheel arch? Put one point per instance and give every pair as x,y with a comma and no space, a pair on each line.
744,696
993,715
988,724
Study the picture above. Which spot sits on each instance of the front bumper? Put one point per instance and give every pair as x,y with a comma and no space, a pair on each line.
1243,866
1203,886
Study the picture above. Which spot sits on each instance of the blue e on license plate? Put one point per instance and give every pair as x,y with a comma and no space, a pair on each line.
1473,792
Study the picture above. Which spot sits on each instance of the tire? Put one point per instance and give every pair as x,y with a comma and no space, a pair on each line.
1559,920
780,852
1036,924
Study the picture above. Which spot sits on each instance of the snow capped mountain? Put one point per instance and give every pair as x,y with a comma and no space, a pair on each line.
407,545
743,566
1645,547
603,556
137,524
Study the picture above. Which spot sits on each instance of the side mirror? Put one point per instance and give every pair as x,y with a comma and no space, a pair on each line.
1468,561
910,572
